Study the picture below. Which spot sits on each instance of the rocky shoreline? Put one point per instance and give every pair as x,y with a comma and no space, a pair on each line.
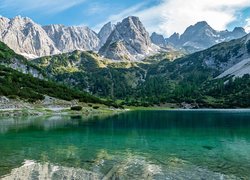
50,106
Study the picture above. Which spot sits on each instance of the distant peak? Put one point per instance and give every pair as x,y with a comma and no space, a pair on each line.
5,18
134,19
132,22
175,35
20,18
201,24
108,25
239,29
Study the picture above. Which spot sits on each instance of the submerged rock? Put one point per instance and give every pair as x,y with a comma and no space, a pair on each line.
208,147
32,170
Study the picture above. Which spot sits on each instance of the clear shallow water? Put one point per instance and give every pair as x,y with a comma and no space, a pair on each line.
134,145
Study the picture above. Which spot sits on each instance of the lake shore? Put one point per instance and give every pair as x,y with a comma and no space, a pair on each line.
52,106
135,145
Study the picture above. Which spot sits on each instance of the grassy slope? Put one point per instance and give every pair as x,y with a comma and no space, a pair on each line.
7,56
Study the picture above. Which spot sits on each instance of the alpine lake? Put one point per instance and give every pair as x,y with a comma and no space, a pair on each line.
171,144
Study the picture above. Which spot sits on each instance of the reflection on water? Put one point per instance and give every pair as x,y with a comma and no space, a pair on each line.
133,145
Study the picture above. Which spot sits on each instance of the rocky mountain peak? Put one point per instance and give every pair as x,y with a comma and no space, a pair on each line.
132,27
32,40
239,29
4,23
173,39
201,24
158,39
4,19
131,36
105,32
199,29
239,32
21,21
26,37
133,22
201,36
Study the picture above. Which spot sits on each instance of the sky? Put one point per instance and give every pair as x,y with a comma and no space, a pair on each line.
161,16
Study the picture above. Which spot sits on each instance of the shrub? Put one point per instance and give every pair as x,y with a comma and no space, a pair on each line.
76,108
13,97
96,107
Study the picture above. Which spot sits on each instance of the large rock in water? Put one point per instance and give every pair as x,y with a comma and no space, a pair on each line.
26,37
128,41
72,38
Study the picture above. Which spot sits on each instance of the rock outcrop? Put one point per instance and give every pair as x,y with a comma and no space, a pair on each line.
26,37
68,39
105,32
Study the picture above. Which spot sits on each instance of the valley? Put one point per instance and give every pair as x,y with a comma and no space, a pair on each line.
128,69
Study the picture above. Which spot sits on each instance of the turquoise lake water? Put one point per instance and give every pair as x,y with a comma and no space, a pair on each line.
134,145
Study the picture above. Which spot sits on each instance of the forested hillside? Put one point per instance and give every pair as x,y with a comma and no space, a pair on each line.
15,84
153,81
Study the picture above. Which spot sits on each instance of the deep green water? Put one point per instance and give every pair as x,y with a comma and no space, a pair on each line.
164,144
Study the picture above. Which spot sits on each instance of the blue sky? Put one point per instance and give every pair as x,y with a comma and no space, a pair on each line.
162,16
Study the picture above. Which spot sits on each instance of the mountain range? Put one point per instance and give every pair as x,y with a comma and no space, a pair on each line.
127,40
198,37
202,67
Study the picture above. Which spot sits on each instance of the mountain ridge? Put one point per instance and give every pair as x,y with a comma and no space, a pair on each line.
32,40
201,36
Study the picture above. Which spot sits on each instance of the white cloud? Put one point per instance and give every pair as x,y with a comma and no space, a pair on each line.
171,16
247,26
118,17
97,8
47,6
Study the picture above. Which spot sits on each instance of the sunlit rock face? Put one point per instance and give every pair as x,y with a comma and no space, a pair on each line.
105,32
128,41
32,40
72,38
26,37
